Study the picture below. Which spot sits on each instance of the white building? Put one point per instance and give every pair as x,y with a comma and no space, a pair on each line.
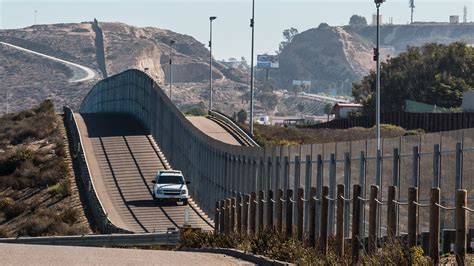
454,19
374,19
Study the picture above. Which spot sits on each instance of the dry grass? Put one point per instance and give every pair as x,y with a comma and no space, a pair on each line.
35,188
273,135
275,246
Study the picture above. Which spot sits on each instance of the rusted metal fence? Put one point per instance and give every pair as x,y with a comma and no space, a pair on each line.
268,212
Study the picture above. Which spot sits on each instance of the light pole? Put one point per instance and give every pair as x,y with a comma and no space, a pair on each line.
377,89
210,62
171,63
252,25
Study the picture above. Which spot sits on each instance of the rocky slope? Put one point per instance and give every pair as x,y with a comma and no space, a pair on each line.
334,57
108,48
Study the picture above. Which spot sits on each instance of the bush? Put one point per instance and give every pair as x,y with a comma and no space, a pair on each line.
5,202
14,160
70,216
14,210
4,231
61,189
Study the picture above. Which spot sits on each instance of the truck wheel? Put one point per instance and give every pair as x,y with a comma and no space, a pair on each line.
157,201
185,202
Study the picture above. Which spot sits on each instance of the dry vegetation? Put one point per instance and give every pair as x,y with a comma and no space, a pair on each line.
35,178
273,135
275,246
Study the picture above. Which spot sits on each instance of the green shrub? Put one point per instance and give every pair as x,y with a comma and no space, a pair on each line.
5,202
61,189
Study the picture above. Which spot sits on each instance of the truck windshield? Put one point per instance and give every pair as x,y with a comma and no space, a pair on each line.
170,179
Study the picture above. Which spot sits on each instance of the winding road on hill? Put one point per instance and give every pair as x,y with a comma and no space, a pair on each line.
80,73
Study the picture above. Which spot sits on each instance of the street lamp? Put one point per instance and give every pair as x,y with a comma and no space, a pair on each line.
210,62
252,25
171,62
377,89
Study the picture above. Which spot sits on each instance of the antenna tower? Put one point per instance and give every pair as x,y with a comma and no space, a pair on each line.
465,14
412,6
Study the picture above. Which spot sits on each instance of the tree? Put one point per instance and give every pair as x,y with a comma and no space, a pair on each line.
288,36
328,110
242,116
434,74
357,20
269,100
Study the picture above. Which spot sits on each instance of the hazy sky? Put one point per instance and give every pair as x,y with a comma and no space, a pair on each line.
232,33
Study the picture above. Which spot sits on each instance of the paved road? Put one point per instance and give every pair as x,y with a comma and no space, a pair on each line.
212,129
123,160
15,254
86,73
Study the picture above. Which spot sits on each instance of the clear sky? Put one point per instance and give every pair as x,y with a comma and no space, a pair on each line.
231,37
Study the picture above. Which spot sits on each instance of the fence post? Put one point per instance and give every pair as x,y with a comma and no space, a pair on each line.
458,166
253,206
269,223
436,165
323,230
300,214
415,167
319,187
396,168
340,221
362,181
347,186
391,213
232,215
434,225
332,191
260,201
226,215
238,210
279,210
356,211
312,217
307,190
461,226
412,211
222,216
216,218
289,213
372,245
245,213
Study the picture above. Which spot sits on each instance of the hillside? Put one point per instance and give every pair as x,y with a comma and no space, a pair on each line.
334,57
38,195
108,49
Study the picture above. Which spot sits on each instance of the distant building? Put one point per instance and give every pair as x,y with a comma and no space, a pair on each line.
342,110
454,19
374,19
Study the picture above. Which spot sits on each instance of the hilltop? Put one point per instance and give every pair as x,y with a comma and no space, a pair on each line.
335,57
108,49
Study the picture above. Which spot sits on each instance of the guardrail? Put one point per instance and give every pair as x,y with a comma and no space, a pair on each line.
235,128
81,167
164,239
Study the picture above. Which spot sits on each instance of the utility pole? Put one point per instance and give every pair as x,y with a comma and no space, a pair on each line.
377,85
252,25
36,11
210,62
171,64
412,6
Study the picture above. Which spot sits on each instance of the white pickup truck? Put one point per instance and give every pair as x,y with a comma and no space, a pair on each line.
170,185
